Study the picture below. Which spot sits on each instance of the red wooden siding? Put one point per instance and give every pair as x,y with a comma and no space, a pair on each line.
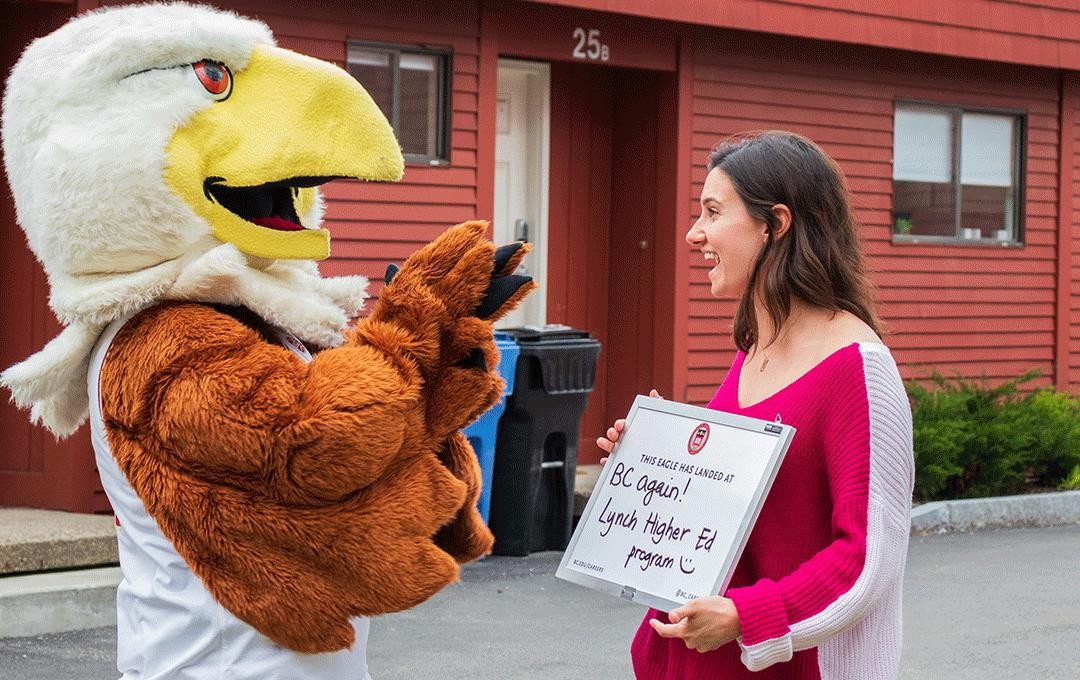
35,469
1034,32
830,69
974,311
373,224
672,357
1071,231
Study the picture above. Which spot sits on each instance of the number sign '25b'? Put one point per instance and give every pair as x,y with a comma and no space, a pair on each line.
587,45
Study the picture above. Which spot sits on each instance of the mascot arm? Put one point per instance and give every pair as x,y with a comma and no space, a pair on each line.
437,313
230,442
219,401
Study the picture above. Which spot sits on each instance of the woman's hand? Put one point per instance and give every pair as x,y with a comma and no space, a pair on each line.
703,624
615,431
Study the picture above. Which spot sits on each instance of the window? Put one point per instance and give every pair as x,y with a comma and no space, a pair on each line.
956,174
410,86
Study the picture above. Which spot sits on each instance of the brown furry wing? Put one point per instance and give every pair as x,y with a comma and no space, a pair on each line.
301,495
427,315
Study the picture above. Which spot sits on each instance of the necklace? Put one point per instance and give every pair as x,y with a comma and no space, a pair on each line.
780,336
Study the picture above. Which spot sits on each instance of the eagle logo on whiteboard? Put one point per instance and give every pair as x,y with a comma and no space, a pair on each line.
698,439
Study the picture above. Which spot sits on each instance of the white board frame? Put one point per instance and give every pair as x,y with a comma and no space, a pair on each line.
782,434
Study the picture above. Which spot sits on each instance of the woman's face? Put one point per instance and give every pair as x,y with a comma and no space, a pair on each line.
726,235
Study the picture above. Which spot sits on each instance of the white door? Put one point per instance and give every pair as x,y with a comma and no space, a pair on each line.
521,175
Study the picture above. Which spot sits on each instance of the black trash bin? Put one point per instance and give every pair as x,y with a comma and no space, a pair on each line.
532,496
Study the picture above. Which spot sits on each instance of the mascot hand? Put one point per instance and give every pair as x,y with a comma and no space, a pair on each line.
467,537
464,273
374,554
503,284
438,310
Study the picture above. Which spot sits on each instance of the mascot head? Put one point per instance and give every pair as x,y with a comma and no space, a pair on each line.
173,152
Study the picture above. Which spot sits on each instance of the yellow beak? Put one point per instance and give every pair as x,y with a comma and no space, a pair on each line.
290,123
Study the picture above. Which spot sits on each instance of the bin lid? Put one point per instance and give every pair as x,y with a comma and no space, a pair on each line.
504,340
567,356
552,332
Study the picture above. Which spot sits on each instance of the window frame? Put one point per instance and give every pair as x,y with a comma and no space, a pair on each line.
956,112
443,99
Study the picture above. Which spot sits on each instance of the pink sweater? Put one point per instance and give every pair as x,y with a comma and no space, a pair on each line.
818,587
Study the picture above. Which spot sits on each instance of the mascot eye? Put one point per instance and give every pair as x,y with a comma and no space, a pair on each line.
215,77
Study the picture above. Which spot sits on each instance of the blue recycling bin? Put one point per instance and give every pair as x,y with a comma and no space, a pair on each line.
481,434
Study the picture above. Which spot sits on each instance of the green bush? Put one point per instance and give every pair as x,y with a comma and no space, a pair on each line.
1072,481
975,440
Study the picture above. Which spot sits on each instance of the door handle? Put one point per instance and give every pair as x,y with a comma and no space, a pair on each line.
521,230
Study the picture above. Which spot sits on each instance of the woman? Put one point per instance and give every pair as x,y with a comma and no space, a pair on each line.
817,591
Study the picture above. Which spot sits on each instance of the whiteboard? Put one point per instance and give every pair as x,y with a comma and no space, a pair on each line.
673,507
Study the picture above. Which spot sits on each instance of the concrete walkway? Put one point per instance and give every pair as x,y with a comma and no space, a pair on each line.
991,605
42,540
58,573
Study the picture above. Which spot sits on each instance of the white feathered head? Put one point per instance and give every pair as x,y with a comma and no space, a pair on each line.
171,151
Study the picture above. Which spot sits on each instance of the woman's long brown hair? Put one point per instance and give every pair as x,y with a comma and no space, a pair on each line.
819,260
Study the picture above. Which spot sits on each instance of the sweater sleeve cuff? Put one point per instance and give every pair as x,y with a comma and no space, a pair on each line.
765,637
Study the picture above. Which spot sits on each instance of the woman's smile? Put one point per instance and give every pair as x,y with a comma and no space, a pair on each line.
711,257
727,236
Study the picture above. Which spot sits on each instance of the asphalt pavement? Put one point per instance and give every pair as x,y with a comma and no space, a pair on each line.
986,605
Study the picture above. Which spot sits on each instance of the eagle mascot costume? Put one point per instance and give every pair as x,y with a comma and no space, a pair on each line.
277,476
